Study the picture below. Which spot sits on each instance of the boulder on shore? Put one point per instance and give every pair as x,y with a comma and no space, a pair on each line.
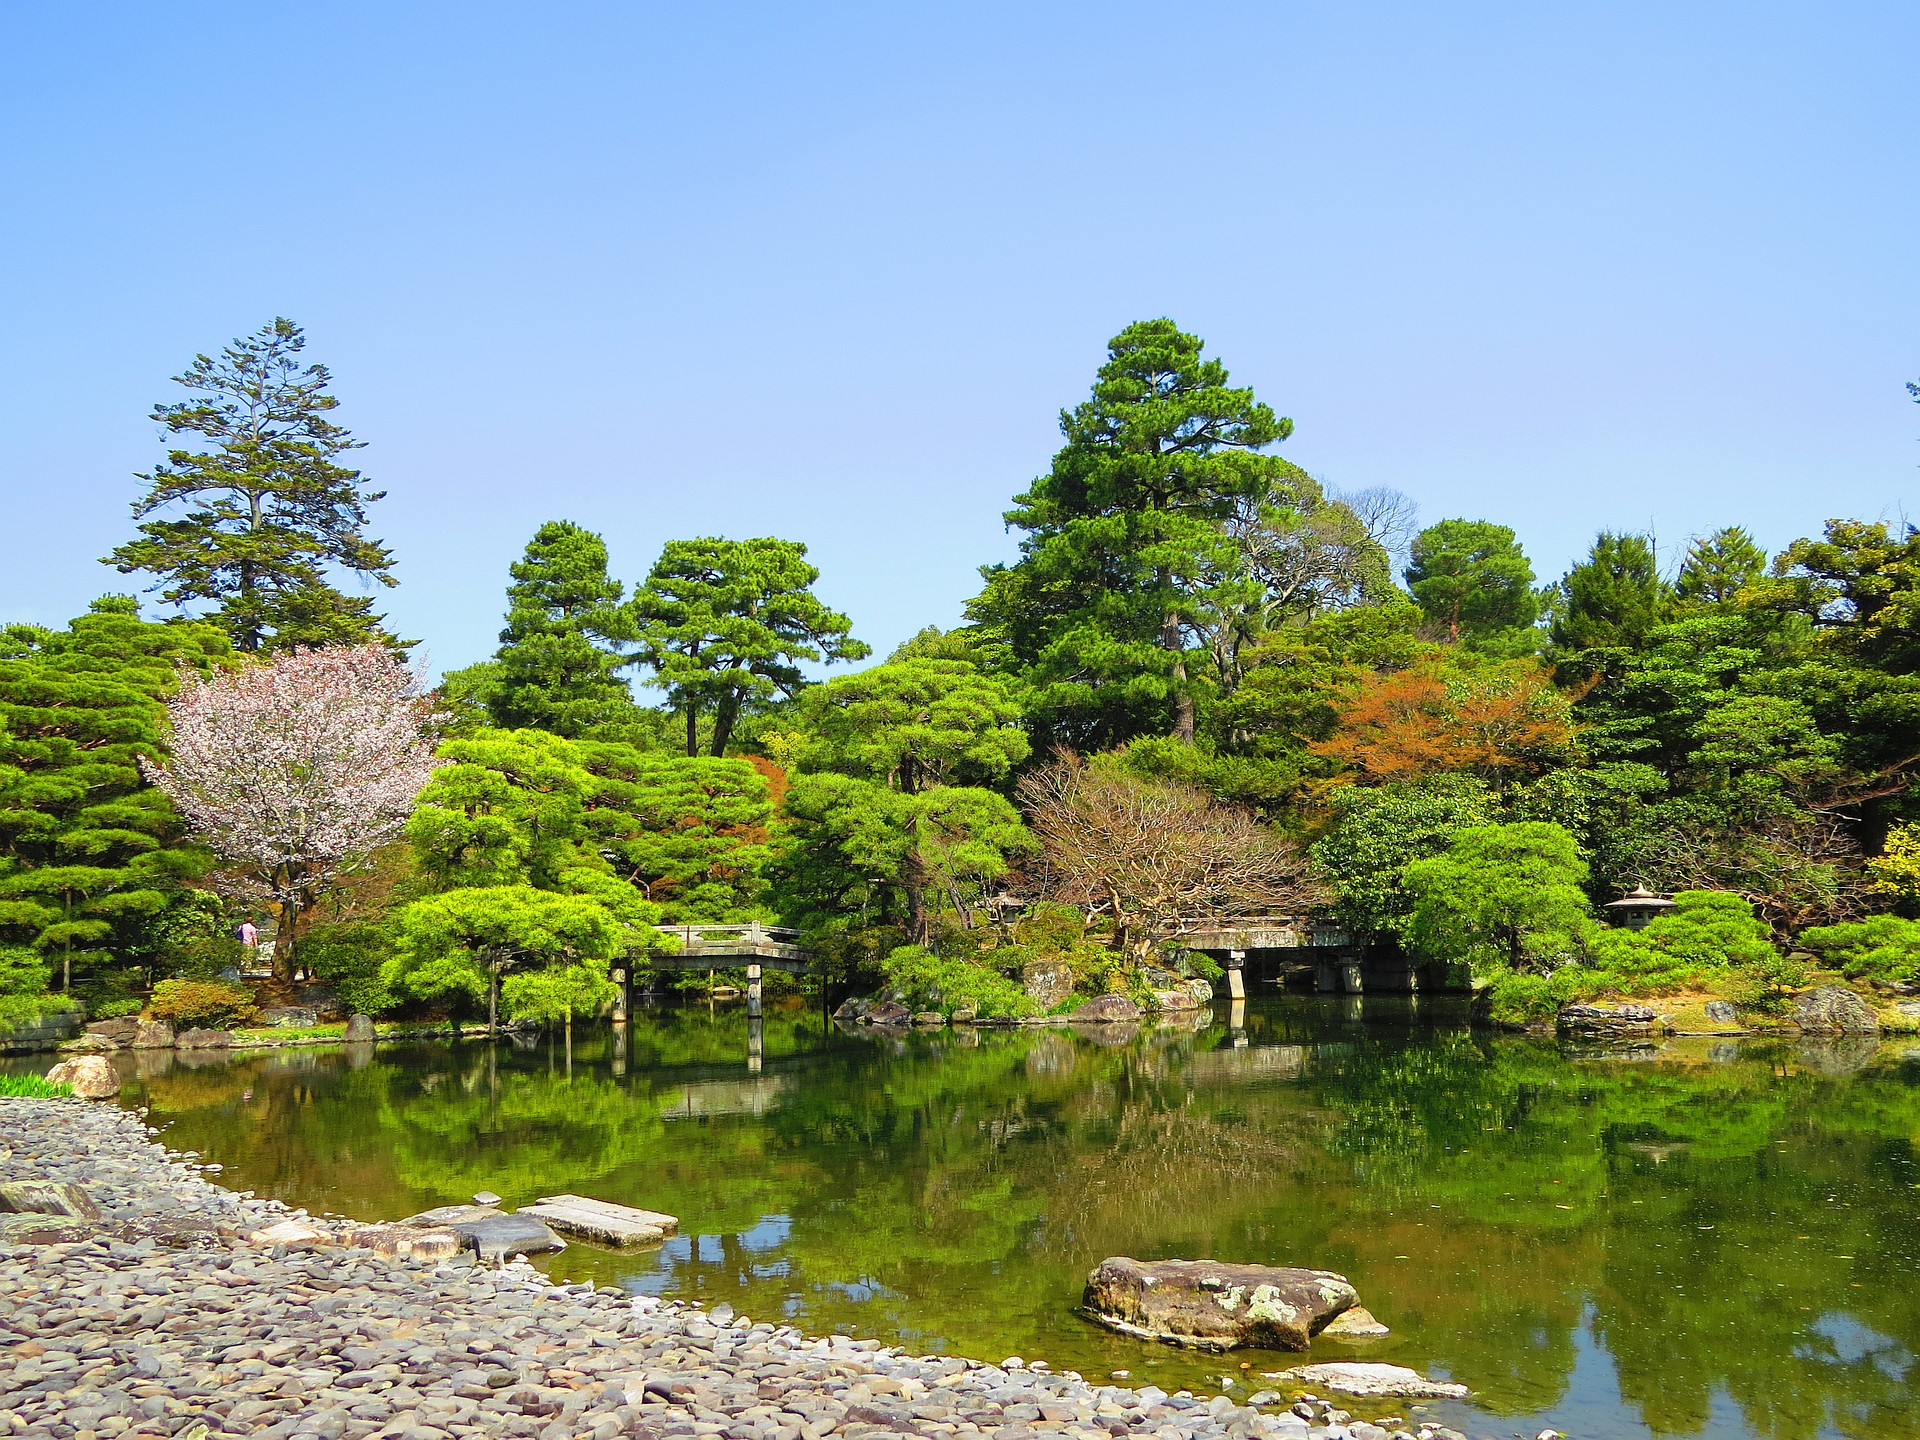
290,1017
151,1035
91,1076
1179,998
120,1029
89,1045
1606,1020
47,1197
359,1030
489,1233
1835,1010
889,1013
204,1040
1047,982
1106,1010
1215,1306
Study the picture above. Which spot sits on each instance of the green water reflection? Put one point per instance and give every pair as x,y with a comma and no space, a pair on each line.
1722,1235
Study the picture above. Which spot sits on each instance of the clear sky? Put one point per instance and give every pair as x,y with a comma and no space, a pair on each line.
831,271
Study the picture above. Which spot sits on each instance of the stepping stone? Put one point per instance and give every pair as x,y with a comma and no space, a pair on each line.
601,1221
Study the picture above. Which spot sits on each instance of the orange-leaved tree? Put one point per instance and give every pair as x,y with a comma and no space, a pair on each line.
1497,720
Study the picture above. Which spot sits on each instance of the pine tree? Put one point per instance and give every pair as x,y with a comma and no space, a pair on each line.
724,623
1472,579
1126,537
268,508
89,853
1718,567
555,667
1613,597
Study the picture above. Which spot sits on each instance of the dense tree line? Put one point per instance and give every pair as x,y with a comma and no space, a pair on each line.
1207,682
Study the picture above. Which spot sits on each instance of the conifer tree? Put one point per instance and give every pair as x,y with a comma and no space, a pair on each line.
1126,538
268,509
1718,567
89,853
1613,597
1472,579
724,624
555,669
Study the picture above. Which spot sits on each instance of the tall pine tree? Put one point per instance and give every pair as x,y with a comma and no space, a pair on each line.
269,510
555,667
1107,608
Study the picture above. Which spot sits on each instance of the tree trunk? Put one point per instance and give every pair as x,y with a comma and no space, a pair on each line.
693,731
724,716
1182,696
493,1000
913,880
285,924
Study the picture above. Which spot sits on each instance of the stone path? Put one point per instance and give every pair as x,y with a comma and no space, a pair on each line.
162,1318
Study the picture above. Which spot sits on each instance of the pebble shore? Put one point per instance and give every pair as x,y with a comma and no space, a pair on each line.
167,1320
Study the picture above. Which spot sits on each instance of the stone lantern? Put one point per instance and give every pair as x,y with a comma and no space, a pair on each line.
1635,909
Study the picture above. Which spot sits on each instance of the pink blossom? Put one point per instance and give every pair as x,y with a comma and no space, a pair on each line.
296,768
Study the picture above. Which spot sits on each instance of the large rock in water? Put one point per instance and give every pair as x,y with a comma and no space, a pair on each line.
1835,1010
1606,1020
1215,1306
1106,1010
91,1076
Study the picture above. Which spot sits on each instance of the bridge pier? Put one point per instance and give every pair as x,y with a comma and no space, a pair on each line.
1236,975
1337,976
753,991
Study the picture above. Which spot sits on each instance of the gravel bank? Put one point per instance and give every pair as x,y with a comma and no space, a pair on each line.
166,1320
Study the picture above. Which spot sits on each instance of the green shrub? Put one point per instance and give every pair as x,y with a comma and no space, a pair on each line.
213,1004
23,971
33,1087
1708,933
943,983
349,958
1885,948
1766,987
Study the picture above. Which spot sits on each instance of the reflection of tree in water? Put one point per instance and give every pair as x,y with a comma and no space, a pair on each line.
958,1188
1671,1193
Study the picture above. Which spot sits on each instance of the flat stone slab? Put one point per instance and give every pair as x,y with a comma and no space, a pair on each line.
1215,1306
1371,1377
489,1233
602,1221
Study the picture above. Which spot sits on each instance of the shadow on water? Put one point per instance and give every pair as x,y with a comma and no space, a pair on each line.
1697,1237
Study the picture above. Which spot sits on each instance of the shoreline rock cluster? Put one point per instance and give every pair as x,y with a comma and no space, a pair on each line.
173,1310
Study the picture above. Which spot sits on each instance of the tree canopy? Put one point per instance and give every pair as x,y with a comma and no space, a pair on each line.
725,626
270,512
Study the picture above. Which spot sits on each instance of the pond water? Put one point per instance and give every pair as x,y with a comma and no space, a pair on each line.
1703,1238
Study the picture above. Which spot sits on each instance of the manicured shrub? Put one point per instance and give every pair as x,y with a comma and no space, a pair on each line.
1885,948
1708,935
944,983
213,1004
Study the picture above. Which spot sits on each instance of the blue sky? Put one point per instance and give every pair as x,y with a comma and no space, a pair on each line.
831,271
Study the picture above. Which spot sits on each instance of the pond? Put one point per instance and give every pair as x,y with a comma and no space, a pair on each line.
1698,1238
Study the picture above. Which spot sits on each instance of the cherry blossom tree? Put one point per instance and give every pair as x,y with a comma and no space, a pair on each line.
296,769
